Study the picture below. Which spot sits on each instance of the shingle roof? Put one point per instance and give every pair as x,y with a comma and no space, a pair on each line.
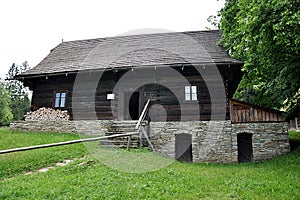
134,50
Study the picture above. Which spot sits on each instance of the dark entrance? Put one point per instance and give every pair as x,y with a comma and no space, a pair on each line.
133,107
183,147
245,149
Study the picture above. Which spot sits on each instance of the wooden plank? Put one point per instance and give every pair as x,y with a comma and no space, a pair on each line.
279,118
247,115
267,116
65,143
276,117
142,116
271,116
235,116
244,119
251,112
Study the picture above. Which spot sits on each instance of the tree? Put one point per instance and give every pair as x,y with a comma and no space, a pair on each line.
5,112
20,103
265,35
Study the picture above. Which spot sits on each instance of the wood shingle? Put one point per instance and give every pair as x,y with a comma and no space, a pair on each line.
134,50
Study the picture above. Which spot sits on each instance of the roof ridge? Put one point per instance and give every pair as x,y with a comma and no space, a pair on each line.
142,34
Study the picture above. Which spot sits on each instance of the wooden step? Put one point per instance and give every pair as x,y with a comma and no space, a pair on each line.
121,127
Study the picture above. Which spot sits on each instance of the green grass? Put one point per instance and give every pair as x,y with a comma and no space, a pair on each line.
294,135
20,162
278,178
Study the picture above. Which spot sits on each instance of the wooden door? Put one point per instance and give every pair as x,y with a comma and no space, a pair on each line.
245,149
183,147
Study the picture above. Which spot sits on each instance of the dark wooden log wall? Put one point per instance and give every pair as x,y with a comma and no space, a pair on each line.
43,90
43,93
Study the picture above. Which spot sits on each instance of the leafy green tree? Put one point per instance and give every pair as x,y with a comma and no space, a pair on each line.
5,112
265,35
20,103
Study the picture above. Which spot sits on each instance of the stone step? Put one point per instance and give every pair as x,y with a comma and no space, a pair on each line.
124,127
127,123
108,142
119,146
122,123
120,132
121,127
113,143
122,140
117,130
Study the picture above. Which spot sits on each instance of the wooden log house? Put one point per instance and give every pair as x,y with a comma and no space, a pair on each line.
52,80
189,79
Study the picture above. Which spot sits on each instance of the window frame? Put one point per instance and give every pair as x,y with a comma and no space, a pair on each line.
190,93
60,99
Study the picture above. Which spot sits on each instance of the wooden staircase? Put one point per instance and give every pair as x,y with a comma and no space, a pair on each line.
121,127
133,129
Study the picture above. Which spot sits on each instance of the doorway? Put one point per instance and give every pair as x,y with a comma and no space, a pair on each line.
132,110
245,149
183,147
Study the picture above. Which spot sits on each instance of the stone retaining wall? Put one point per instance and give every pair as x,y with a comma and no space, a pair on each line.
89,127
216,141
268,139
212,141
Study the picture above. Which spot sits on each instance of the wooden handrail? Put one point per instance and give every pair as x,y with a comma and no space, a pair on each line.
66,143
142,115
140,128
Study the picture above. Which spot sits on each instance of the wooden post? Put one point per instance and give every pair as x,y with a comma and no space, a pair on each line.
146,136
140,137
129,142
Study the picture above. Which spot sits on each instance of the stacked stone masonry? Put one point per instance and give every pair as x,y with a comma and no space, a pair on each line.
212,141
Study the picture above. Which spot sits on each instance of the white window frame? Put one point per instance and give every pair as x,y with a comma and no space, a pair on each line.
190,93
60,99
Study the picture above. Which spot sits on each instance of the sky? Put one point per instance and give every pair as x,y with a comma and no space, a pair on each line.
29,29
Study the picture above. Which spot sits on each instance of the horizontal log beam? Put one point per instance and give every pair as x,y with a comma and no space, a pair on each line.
66,143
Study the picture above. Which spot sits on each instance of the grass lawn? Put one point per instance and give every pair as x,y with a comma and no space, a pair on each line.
294,135
20,162
88,178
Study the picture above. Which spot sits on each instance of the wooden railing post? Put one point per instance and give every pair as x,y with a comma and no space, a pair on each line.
129,142
140,128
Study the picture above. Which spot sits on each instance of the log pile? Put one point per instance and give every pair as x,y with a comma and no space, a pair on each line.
47,114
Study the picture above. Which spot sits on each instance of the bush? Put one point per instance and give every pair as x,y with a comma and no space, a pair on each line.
5,112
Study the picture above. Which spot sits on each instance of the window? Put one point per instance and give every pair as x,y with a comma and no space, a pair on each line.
60,99
190,93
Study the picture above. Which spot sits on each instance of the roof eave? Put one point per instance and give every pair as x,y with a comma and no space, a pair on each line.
37,75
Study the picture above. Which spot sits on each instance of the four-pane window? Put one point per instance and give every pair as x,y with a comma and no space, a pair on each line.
60,99
190,93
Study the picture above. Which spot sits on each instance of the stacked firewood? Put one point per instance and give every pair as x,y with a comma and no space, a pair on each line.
47,114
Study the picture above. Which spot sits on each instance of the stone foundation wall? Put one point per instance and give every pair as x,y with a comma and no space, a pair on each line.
216,141
212,141
89,127
268,139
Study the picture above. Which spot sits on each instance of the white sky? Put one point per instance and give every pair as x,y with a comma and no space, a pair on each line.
29,29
